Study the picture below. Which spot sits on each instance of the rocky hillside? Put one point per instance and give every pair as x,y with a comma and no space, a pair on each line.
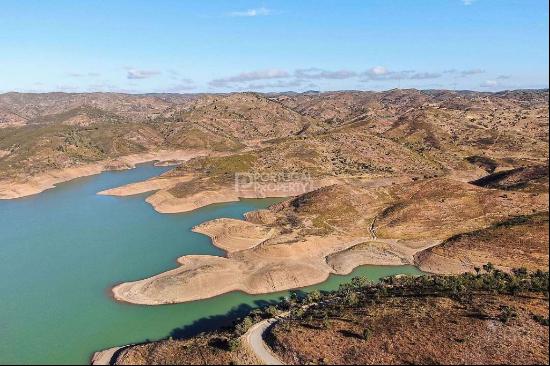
486,318
398,132
23,109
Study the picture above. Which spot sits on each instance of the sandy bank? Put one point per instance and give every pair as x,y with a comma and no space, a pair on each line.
153,184
305,240
234,235
164,201
259,260
106,356
368,252
387,252
434,263
17,188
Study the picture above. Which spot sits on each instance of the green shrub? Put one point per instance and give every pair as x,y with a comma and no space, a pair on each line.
233,344
244,325
351,299
272,311
313,297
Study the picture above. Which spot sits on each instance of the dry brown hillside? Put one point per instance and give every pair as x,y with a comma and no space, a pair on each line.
521,241
28,108
244,116
336,228
398,131
490,317
418,331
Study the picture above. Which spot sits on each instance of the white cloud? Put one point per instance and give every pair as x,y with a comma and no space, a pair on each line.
468,2
250,76
315,73
251,12
135,74
378,70
465,73
382,73
299,78
280,78
276,85
489,84
424,75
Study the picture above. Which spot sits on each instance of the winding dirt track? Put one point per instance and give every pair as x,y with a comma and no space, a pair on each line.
255,341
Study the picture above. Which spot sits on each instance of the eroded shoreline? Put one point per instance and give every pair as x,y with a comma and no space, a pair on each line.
163,201
255,264
298,243
23,187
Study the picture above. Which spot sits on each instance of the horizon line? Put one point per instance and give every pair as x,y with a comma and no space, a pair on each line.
273,92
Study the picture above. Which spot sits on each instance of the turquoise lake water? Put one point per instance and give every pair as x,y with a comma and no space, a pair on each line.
62,250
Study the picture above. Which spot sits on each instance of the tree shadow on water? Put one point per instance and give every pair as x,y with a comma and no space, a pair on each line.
214,322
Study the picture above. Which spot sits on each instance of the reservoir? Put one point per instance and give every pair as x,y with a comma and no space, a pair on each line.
62,250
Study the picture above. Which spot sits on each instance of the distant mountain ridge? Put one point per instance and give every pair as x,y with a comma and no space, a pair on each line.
350,128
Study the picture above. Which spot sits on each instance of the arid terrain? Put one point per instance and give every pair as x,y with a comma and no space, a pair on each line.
445,180
486,318
465,326
343,134
431,178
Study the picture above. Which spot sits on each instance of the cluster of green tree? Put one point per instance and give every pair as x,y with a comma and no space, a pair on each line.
318,307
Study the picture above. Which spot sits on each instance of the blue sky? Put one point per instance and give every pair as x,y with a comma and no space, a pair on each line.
220,46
